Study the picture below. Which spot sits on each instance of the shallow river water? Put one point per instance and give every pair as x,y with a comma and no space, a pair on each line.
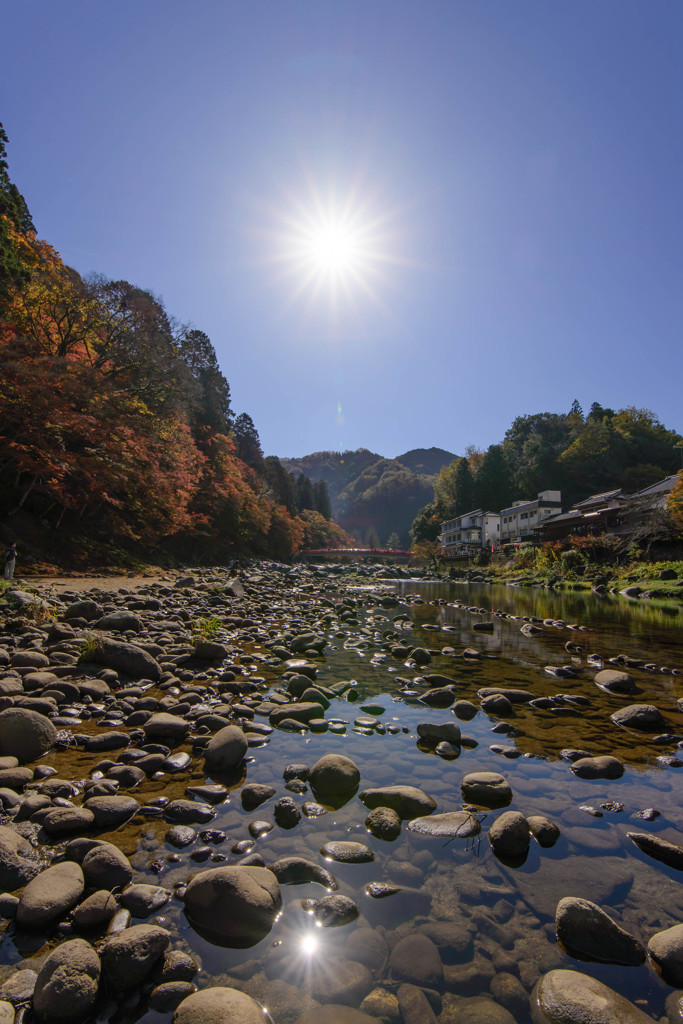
505,914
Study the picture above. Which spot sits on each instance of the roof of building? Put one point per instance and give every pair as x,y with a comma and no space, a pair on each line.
604,496
533,503
661,487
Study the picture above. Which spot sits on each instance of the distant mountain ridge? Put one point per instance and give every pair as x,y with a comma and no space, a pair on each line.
369,492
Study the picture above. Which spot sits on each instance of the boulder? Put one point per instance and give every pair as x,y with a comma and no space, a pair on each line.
164,725
130,659
346,985
488,789
666,949
416,959
331,1014
111,811
144,900
509,834
233,906
545,832
333,774
614,681
129,956
66,987
384,823
645,717
408,801
658,848
603,767
433,734
25,734
50,895
569,997
450,824
95,911
120,622
18,864
88,610
106,867
584,928
226,750
219,1006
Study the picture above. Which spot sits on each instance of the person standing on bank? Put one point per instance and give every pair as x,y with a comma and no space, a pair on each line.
10,559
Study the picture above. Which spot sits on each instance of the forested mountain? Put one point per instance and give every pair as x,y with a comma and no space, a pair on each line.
373,497
574,453
117,434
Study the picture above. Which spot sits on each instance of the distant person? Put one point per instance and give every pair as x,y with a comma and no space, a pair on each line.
10,560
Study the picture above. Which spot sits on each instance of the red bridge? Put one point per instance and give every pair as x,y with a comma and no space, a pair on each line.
360,552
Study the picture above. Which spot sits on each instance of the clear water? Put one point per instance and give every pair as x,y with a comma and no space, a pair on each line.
508,912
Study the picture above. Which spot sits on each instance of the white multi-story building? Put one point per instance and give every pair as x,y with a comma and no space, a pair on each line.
518,522
471,532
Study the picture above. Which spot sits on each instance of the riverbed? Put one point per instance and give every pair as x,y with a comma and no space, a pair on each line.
499,911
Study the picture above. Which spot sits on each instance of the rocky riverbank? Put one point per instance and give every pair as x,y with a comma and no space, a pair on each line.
197,821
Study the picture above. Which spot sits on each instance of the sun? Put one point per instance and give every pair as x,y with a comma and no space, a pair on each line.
332,249
335,247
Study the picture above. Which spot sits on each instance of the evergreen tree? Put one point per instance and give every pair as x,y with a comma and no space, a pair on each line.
247,442
464,488
321,496
493,486
282,484
15,221
305,497
212,412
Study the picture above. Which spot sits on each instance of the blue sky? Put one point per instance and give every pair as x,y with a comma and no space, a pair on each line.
513,169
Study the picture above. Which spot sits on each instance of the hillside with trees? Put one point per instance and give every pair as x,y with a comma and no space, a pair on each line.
118,440
373,497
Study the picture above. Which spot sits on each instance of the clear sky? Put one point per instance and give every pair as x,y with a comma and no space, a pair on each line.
401,224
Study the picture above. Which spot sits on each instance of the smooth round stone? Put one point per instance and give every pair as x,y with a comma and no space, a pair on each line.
219,1006
129,956
384,823
65,821
416,959
18,989
66,987
488,789
188,812
180,836
603,767
106,867
110,811
334,773
584,928
407,801
666,949
348,983
335,910
509,834
614,681
50,895
335,1014
545,832
450,824
345,852
233,906
569,997
95,911
144,900
25,734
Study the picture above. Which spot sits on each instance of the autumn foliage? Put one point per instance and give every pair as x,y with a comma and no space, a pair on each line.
116,433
